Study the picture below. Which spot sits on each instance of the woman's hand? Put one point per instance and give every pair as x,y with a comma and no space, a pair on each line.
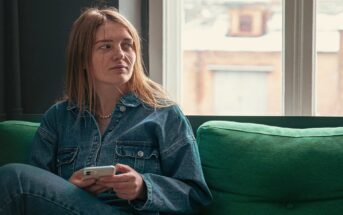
128,185
88,184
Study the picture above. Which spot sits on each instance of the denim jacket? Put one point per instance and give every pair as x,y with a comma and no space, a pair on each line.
157,143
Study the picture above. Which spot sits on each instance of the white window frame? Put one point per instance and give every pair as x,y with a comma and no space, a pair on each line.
172,47
299,57
165,60
298,52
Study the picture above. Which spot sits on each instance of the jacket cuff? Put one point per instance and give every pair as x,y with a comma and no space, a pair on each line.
143,205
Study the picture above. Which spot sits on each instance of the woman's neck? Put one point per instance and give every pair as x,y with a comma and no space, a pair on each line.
106,100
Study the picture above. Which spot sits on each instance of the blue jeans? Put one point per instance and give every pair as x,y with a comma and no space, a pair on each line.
27,189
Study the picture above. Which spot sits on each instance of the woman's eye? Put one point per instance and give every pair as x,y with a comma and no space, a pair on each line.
105,46
127,45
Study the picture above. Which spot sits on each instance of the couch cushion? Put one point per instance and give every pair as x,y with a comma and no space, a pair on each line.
259,169
15,140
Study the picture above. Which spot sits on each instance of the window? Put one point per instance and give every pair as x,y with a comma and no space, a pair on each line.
254,57
329,42
245,23
252,96
232,57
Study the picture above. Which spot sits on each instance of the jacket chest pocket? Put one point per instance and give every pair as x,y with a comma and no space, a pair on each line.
66,161
140,155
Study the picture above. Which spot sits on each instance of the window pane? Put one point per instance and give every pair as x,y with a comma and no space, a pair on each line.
232,57
329,73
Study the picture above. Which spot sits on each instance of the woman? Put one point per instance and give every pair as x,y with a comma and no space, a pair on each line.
112,115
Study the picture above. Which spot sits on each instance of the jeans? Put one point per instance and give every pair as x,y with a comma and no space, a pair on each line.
27,189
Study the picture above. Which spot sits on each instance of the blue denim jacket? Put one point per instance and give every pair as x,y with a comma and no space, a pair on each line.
157,143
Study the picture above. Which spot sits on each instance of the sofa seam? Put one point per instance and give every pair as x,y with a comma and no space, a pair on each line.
204,129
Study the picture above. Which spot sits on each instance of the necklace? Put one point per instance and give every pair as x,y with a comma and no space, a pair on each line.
104,116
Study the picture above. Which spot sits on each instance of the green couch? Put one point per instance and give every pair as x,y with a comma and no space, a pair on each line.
253,165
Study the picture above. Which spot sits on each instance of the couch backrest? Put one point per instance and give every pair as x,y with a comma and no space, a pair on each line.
258,169
15,140
251,169
281,121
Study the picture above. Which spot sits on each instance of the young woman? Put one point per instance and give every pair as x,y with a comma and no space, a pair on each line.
112,115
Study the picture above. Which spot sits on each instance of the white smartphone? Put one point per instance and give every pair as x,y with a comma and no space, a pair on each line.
98,171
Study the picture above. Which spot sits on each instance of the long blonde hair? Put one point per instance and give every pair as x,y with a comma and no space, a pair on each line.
79,82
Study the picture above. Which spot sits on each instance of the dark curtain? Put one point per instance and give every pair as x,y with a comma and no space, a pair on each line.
33,37
2,62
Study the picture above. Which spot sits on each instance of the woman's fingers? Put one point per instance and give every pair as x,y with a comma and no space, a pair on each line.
128,184
102,190
77,180
96,188
86,183
122,168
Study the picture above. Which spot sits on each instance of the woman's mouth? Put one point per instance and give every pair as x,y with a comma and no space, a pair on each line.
118,67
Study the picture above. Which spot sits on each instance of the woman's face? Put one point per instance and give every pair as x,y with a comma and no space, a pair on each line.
113,56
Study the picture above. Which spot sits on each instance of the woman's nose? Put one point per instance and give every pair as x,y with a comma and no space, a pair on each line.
118,53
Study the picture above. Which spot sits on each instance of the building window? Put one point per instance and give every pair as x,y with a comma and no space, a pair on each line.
299,41
245,23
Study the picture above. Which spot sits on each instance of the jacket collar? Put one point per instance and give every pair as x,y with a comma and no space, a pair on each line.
129,100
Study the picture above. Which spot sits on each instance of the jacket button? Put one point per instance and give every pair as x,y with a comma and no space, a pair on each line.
140,154
122,108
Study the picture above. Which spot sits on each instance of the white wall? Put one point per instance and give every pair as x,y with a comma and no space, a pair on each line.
131,9
155,40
